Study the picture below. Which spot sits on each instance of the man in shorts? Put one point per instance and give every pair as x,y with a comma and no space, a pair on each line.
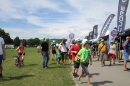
126,52
102,52
2,54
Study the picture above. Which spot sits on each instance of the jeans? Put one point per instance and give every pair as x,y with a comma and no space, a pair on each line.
45,59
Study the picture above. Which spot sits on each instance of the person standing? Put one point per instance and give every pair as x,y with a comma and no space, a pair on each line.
126,52
112,52
63,49
53,47
2,54
74,50
45,52
85,56
21,52
102,52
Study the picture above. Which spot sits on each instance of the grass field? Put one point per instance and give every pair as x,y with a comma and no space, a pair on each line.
32,73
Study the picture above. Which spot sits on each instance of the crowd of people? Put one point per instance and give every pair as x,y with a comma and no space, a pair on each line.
80,53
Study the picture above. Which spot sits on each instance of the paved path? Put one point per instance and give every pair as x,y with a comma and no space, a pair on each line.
107,75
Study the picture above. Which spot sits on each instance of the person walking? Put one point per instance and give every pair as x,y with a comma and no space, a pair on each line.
74,50
45,52
112,52
126,52
2,55
84,55
21,52
63,49
102,52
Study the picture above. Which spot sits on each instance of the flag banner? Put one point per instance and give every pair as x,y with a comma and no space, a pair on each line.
95,32
106,25
70,38
90,35
112,35
121,16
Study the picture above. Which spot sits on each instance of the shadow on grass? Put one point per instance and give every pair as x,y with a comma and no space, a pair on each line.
16,77
100,83
31,65
57,67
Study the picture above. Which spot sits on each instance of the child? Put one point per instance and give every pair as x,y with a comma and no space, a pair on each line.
85,55
58,55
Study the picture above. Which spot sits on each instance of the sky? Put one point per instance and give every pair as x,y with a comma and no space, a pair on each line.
56,18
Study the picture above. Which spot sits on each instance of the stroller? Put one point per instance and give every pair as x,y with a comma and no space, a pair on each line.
18,61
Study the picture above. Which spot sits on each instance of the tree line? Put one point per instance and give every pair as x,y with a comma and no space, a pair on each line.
16,41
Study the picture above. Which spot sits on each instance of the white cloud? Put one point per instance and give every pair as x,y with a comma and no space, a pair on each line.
85,14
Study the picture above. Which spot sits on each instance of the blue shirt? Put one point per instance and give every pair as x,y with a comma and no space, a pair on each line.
127,49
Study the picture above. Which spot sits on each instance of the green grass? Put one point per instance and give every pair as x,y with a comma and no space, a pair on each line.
32,73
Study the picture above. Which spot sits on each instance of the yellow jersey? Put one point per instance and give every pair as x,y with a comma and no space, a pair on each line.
102,47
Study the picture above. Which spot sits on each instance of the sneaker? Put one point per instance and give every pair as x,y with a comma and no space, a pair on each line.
90,85
73,74
102,65
79,82
1,76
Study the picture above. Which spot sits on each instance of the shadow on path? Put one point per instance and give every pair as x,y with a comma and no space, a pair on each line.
102,83
94,74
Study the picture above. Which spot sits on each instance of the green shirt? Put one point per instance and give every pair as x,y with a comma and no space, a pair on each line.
84,54
58,55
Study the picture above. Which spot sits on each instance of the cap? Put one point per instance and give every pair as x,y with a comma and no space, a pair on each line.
112,40
102,40
84,41
46,39
77,39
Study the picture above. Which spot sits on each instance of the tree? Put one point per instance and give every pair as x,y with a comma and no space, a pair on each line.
6,37
30,42
17,41
24,42
36,41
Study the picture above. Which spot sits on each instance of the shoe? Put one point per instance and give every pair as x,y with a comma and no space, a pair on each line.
110,65
90,85
113,63
102,65
73,74
79,82
1,76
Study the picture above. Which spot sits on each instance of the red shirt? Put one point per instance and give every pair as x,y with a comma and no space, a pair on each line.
74,48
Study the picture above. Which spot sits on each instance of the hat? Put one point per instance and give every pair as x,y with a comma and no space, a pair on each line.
77,39
112,40
45,39
102,40
84,41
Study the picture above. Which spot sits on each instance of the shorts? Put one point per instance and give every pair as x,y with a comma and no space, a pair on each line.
58,58
76,64
103,56
1,58
112,55
63,54
53,51
21,54
126,56
85,68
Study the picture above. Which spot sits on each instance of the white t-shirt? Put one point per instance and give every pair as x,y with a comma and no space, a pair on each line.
63,47
112,49
1,43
